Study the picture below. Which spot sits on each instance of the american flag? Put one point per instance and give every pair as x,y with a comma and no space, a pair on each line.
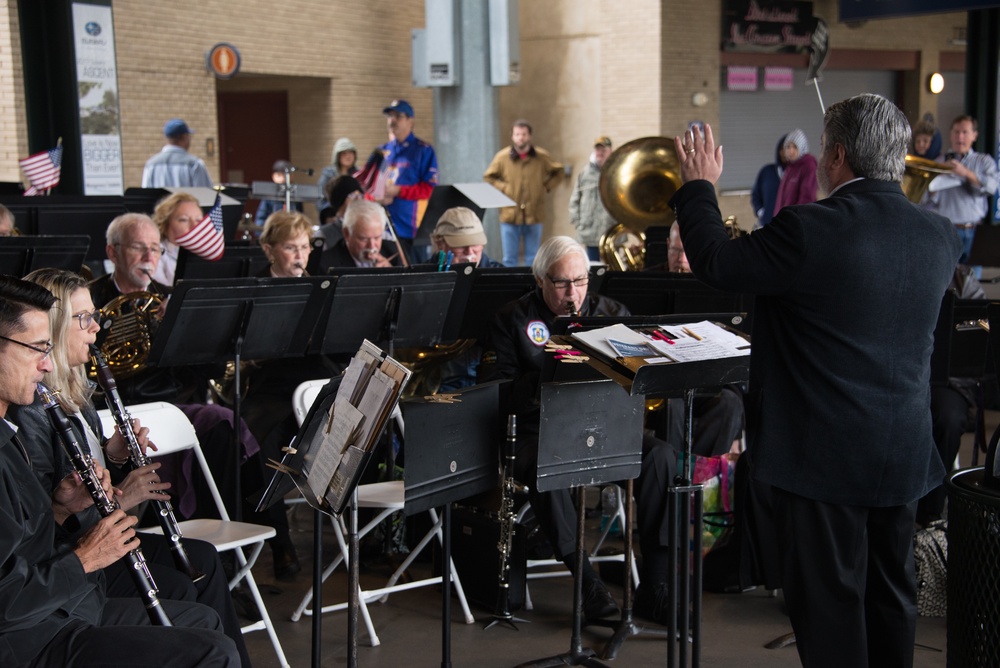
206,239
374,175
42,170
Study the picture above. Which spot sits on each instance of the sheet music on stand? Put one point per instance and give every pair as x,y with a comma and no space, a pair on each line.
327,469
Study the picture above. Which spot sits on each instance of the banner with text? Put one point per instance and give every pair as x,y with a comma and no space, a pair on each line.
97,87
768,26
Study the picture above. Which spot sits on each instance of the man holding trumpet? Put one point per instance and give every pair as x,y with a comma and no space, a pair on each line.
363,244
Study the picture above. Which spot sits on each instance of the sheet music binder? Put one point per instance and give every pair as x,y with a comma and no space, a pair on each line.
325,462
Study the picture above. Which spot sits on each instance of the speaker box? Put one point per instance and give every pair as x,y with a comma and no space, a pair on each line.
474,539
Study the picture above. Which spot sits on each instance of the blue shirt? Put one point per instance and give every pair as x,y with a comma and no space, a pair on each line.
965,204
173,167
411,162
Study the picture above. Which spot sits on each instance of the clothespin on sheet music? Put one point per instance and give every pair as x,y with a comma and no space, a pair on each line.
281,468
551,347
443,398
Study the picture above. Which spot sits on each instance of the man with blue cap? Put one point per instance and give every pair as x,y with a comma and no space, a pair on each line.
412,172
173,166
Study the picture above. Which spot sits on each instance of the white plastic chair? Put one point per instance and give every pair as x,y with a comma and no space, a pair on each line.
171,431
387,498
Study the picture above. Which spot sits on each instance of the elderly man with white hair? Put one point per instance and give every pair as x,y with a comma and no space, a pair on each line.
363,244
516,351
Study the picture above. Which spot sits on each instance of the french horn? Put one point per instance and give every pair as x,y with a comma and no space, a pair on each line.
918,174
129,322
637,181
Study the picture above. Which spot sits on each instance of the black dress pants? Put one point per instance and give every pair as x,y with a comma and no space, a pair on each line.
125,637
848,579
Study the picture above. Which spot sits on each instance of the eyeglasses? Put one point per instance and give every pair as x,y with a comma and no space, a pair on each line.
563,283
140,249
88,317
44,351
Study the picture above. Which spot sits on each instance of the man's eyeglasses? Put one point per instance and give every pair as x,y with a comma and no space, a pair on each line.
43,351
564,283
86,318
141,249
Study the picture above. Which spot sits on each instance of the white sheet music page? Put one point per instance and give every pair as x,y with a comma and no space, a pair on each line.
703,340
327,455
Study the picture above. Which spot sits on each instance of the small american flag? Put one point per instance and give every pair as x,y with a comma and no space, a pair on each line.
42,170
206,239
374,175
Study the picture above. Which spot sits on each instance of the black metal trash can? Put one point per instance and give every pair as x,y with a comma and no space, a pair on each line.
973,571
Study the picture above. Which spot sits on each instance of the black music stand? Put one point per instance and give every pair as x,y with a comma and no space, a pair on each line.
470,314
286,192
589,433
671,380
985,246
477,196
236,262
20,256
656,293
450,455
220,321
391,309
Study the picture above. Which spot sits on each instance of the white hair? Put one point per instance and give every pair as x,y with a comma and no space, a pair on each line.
552,251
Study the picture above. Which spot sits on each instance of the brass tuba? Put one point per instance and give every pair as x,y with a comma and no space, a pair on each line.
918,174
129,322
637,182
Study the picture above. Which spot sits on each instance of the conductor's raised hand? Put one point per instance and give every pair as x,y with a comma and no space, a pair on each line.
698,155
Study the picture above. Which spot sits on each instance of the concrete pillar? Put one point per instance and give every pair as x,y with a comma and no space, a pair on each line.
465,116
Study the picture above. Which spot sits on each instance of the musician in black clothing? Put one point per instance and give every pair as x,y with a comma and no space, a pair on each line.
516,351
363,244
53,609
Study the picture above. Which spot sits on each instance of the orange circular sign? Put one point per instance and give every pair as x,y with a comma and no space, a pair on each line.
224,60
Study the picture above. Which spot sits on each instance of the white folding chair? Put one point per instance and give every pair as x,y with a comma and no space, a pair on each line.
171,431
386,498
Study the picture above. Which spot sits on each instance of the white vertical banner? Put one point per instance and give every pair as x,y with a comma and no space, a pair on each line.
97,87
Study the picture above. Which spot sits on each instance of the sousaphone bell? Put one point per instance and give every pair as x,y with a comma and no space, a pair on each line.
637,182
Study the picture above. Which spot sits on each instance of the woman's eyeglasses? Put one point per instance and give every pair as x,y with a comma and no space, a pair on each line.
88,317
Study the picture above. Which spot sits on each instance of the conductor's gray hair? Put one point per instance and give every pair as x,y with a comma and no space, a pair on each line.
874,133
552,251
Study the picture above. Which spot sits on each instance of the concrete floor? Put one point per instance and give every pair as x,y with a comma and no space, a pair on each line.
734,632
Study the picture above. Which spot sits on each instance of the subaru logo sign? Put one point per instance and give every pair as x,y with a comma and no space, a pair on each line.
93,28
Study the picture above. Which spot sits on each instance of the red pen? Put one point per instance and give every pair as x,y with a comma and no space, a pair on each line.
660,336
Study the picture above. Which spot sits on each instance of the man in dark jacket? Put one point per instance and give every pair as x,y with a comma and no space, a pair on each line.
848,292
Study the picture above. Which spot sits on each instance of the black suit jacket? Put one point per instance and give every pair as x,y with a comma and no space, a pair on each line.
848,292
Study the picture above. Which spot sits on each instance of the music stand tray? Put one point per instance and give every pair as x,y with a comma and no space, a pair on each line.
20,256
236,262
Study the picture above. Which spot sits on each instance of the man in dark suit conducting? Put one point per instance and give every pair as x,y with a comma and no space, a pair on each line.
848,292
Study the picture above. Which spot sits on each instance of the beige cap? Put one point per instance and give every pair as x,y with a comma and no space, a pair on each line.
459,227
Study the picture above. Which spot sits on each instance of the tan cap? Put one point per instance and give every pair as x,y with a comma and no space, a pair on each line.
459,227
603,141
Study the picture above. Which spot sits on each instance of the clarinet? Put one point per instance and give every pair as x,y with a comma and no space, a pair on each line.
164,511
84,465
506,521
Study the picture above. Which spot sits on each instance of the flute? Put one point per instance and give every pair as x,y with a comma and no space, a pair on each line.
84,465
164,511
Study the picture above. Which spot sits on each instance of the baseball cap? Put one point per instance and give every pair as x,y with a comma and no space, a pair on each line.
176,127
402,106
603,141
459,227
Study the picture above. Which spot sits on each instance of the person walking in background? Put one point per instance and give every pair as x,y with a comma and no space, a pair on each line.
586,212
524,173
343,162
765,187
798,183
173,166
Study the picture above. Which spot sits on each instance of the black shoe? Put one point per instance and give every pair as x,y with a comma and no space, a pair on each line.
652,603
597,601
245,606
286,562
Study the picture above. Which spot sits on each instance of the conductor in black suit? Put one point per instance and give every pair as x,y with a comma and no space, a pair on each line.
363,244
848,292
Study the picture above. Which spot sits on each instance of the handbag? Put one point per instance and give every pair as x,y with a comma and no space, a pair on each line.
930,556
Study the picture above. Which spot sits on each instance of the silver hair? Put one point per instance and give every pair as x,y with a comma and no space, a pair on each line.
125,222
552,251
362,209
874,133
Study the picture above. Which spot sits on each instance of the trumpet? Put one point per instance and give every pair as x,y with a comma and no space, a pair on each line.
84,465
164,511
